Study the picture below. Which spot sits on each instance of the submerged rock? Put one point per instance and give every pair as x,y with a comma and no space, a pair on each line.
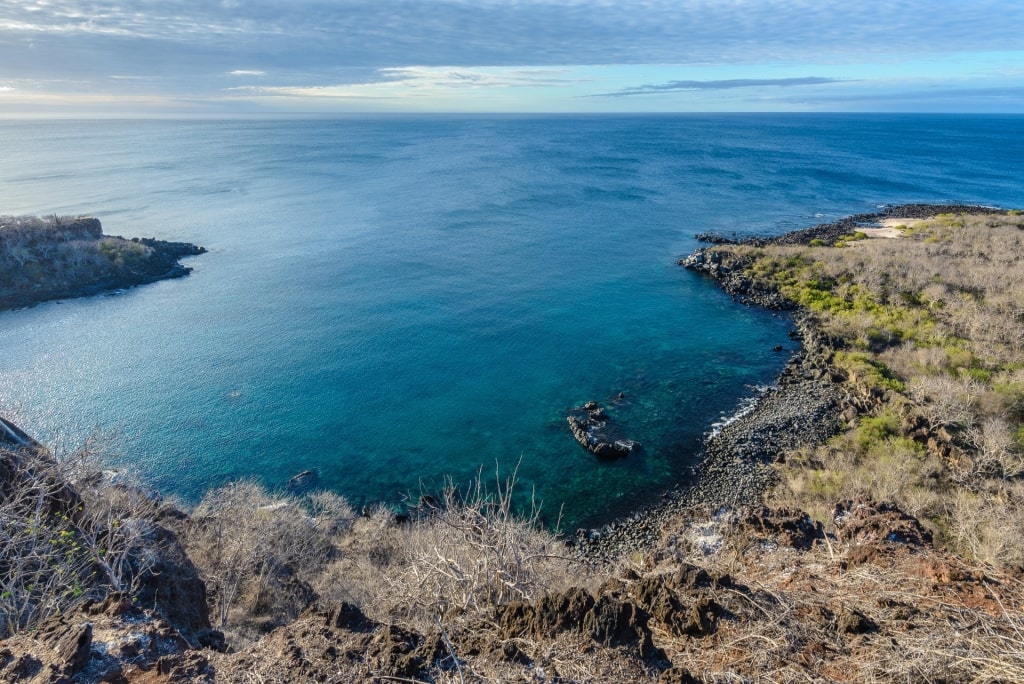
303,482
595,432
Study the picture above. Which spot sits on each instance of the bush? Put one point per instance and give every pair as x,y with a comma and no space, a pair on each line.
257,552
471,553
69,535
868,369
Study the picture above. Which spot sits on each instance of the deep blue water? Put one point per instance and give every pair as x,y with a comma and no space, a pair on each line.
391,301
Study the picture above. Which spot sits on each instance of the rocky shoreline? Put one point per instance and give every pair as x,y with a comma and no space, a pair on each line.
124,262
804,406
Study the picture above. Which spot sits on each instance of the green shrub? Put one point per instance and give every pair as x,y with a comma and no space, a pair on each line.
873,430
870,370
980,374
1012,395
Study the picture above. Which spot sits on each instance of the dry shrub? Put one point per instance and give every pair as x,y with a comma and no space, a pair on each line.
995,453
69,535
259,552
888,468
986,524
908,360
267,557
466,556
946,400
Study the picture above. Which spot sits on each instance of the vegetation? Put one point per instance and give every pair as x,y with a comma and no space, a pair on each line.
266,558
68,536
462,590
57,253
932,323
58,256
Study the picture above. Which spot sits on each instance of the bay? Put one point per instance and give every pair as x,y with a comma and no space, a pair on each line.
396,300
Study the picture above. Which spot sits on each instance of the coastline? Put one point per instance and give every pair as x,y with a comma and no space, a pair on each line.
804,405
255,582
124,262
800,407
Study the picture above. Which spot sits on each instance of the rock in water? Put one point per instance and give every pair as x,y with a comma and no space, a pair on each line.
594,430
303,482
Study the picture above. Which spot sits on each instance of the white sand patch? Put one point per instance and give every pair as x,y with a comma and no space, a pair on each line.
890,227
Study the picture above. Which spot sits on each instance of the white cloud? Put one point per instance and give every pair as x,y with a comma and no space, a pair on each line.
421,81
386,33
362,48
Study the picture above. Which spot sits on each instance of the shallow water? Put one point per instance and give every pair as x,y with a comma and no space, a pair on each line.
393,301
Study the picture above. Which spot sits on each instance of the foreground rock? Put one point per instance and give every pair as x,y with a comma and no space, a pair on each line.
110,641
60,258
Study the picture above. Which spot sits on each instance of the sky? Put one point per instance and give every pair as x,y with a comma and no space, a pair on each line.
213,58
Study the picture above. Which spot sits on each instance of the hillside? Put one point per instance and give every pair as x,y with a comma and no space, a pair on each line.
863,523
61,257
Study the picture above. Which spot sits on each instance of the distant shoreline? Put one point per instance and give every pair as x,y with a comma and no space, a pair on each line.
66,258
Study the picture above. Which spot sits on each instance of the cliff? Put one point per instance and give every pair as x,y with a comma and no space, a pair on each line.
59,257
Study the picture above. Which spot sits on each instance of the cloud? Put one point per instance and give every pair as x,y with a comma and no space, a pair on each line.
420,81
386,33
726,84
456,77
191,49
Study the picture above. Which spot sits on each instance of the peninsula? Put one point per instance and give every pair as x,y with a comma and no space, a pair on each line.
62,257
860,523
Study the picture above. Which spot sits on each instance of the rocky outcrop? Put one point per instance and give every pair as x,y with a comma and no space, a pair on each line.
59,258
173,588
109,641
729,271
597,433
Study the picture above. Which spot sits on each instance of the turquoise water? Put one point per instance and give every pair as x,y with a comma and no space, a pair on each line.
392,301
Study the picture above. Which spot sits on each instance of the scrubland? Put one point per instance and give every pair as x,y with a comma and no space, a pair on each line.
932,323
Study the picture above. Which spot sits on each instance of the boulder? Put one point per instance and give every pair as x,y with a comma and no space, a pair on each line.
303,482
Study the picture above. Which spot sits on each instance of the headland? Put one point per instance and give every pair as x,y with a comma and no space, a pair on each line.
57,257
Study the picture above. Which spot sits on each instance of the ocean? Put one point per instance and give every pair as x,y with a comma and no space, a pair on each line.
397,301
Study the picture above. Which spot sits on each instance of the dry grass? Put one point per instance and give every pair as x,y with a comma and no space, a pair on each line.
934,323
467,554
